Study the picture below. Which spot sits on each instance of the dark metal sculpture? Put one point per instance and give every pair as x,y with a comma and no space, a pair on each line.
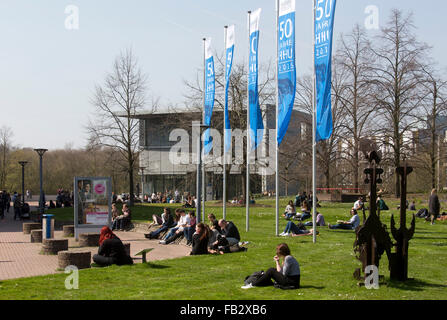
399,259
372,238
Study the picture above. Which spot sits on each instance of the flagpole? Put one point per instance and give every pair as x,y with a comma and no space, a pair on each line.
314,134
277,128
247,189
203,122
224,195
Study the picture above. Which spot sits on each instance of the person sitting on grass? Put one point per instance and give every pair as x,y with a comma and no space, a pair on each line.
412,206
190,228
200,240
295,230
290,210
111,250
347,225
358,205
320,221
305,214
229,231
214,222
381,204
285,275
177,231
168,222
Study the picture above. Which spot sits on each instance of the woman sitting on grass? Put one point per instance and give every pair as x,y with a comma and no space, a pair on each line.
352,224
111,250
286,275
290,210
190,228
200,240
305,214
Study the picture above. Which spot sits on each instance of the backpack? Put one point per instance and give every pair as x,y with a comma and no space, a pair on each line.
253,277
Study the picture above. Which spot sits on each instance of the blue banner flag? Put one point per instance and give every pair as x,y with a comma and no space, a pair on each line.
229,62
209,94
286,69
255,115
324,23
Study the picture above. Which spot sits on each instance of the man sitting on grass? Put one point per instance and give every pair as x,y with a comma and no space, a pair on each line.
347,225
229,231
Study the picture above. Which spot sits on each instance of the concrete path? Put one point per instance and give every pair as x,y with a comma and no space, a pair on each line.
20,258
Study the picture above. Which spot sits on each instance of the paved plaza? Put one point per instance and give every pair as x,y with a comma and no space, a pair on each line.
20,258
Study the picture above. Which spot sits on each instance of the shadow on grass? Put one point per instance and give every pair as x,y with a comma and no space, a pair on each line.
154,266
311,287
414,285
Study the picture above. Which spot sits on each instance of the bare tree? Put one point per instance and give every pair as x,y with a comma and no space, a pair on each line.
5,148
117,103
397,79
434,106
353,59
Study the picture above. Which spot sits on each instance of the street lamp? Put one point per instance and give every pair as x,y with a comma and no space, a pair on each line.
23,163
40,152
142,183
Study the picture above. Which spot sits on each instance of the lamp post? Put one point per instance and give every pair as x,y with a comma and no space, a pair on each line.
40,152
142,183
23,163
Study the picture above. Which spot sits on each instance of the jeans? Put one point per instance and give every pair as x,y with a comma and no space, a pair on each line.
188,232
171,232
345,226
291,227
289,215
17,213
123,223
232,241
272,273
154,234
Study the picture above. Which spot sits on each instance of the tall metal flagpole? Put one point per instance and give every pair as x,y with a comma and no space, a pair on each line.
277,128
224,193
314,133
247,189
202,142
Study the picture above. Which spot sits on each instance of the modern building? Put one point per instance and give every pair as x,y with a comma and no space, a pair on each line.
169,153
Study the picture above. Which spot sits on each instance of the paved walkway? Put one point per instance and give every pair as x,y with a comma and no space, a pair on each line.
20,258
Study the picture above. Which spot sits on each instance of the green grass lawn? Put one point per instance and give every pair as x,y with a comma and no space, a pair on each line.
326,267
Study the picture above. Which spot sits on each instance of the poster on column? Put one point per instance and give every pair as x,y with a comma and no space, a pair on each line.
92,203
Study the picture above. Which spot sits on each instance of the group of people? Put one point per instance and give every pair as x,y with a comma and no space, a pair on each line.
217,237
121,221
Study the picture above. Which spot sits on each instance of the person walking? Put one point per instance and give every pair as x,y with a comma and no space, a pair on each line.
434,207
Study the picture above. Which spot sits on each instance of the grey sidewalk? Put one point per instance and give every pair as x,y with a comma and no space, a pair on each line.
20,258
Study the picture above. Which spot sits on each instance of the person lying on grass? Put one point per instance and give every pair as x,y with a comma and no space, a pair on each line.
352,224
296,230
111,250
285,275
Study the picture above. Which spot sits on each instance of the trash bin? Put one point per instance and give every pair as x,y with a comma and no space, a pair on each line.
47,226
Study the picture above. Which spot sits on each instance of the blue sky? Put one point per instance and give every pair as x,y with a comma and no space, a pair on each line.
48,73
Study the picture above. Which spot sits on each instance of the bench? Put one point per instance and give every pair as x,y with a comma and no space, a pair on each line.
143,253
